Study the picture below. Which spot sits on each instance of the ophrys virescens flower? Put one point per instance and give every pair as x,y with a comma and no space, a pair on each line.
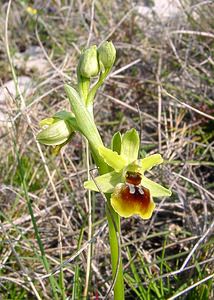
131,191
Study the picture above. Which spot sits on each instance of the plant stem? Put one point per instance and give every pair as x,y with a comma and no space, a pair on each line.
89,254
114,220
89,130
92,93
114,229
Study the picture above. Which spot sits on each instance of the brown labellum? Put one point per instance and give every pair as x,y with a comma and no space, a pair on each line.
140,196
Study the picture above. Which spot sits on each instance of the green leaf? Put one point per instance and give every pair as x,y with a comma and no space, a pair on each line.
63,115
67,116
130,145
149,162
105,183
83,118
156,189
116,142
112,158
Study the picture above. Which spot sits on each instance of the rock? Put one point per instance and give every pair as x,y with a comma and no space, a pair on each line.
167,9
32,60
164,9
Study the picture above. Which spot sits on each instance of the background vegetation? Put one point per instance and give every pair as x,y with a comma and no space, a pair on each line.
162,84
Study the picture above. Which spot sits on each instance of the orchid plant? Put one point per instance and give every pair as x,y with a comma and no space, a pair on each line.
121,173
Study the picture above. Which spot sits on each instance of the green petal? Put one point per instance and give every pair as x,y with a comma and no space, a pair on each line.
112,158
156,189
130,145
116,142
105,183
149,162
46,122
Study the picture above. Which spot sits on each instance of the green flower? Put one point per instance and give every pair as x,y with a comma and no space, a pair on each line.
57,130
131,191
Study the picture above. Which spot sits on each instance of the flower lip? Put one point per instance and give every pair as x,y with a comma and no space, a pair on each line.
134,195
128,199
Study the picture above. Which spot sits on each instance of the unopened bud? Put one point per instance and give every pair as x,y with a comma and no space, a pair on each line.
55,132
107,54
89,66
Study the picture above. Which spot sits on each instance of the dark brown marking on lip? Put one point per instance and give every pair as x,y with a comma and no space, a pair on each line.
133,177
136,198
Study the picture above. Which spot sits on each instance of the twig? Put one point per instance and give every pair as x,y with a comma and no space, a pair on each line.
85,245
193,250
91,24
194,183
192,32
187,105
159,102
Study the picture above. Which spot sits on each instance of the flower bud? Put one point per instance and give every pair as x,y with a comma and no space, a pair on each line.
88,65
55,132
107,54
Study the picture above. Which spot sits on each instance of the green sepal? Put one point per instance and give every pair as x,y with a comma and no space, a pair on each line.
130,145
104,183
116,142
112,158
155,189
149,162
60,115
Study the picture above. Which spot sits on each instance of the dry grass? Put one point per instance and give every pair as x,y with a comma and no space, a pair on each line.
162,85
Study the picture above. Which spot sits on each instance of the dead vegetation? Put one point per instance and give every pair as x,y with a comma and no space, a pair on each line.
162,84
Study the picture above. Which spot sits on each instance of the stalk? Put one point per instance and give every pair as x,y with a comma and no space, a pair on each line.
88,128
117,270
114,232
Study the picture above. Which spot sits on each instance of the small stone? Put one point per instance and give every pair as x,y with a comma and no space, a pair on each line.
31,61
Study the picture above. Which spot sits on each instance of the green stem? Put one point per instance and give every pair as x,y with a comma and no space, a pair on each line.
83,86
89,130
114,221
114,232
92,93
